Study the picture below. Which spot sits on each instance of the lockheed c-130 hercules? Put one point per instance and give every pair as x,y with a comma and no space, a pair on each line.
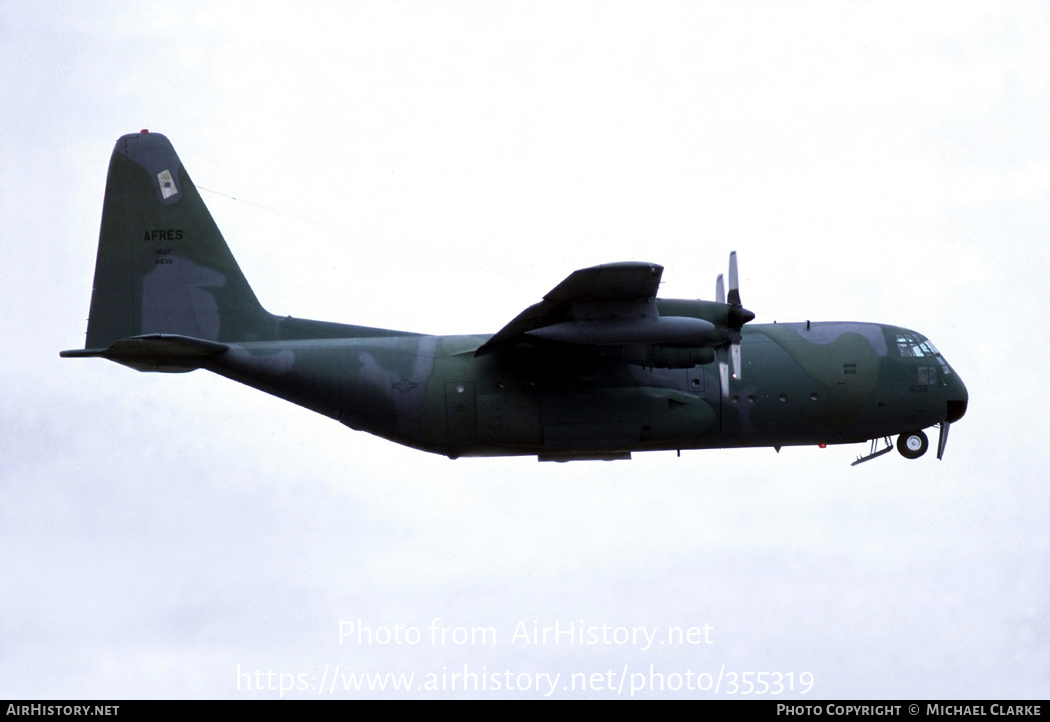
598,369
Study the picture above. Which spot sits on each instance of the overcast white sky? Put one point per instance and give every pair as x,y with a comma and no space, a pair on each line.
437,167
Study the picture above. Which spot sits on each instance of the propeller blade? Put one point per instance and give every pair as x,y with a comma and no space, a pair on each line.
723,372
737,316
734,281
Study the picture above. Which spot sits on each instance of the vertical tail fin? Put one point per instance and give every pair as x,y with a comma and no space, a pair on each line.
162,265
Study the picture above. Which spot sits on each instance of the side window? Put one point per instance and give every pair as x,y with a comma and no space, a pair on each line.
928,375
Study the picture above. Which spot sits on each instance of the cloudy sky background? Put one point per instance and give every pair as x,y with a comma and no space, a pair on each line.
437,167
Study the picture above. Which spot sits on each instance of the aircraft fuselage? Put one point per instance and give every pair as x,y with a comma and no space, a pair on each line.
803,383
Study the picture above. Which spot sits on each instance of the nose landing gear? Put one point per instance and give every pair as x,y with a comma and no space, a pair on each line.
913,444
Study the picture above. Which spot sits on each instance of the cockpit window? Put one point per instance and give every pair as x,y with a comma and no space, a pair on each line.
911,346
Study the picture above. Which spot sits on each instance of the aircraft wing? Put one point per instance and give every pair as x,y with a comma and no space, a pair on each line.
615,290
613,304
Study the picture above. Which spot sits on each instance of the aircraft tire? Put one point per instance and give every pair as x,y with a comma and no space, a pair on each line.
913,444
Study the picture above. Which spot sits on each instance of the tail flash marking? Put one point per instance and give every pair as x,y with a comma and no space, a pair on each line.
167,184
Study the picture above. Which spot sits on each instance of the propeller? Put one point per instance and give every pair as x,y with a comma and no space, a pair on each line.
736,317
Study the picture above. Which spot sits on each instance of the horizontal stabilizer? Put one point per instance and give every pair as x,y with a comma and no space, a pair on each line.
155,352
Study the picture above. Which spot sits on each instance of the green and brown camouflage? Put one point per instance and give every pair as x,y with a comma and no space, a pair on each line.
598,369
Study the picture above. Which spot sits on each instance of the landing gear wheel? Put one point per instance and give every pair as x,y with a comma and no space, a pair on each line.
912,445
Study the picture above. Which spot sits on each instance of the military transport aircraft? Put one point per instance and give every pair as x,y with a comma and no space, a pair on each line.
598,369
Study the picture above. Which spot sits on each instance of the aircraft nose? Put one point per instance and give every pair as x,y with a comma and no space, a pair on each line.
957,401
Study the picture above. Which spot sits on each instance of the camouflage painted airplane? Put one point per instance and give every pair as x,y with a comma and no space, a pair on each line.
598,369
